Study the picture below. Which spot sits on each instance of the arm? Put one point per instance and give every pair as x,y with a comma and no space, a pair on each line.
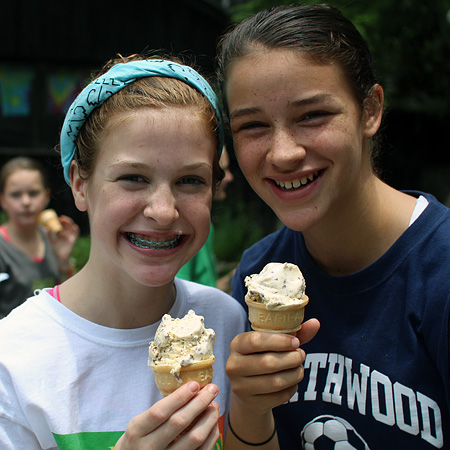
184,420
264,370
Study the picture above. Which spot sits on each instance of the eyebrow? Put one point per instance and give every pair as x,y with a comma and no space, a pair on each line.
302,102
138,165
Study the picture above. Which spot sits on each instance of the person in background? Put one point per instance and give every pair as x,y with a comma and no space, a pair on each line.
305,107
31,257
202,267
140,149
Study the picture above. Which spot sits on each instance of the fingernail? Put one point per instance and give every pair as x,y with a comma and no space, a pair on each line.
295,343
213,389
193,386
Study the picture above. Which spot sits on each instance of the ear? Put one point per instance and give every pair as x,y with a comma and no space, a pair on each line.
373,110
78,186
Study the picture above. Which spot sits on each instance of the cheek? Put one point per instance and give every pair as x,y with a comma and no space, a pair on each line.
249,156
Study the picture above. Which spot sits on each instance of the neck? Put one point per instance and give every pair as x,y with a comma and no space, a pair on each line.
361,231
21,232
26,239
115,304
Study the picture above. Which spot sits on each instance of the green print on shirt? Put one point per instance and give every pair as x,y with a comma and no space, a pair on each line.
105,440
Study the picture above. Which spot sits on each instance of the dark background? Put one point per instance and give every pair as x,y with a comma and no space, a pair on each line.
410,41
44,38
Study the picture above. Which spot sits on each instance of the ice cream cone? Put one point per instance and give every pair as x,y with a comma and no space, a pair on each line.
168,382
282,319
49,219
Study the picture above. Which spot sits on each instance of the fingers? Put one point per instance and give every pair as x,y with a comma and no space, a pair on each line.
187,410
161,411
260,341
308,331
204,434
263,363
265,368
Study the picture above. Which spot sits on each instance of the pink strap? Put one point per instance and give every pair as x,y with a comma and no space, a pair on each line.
4,233
54,292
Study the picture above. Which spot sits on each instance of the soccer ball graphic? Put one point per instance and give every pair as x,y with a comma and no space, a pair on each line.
331,433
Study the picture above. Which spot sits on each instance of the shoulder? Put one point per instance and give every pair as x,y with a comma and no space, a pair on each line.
200,294
24,319
216,306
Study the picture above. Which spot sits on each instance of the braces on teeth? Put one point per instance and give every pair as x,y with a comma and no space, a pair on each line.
144,243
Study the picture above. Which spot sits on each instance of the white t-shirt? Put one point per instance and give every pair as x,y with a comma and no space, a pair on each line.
68,383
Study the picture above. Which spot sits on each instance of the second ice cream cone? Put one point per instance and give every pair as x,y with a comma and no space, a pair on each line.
285,319
276,298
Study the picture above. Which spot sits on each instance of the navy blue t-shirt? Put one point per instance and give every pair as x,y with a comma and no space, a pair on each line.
377,375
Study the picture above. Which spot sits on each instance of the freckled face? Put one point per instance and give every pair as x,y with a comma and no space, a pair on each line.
150,195
299,135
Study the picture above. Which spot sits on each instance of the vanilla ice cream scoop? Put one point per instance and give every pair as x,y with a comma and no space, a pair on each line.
181,342
276,298
277,285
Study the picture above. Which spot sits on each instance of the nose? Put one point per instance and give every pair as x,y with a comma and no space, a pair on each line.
285,151
161,206
25,199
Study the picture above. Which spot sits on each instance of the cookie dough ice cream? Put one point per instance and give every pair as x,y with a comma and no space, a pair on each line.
182,351
276,298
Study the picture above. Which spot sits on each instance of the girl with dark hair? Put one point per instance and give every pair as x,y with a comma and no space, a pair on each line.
305,107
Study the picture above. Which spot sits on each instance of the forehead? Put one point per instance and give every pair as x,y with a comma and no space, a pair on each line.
23,178
263,72
175,131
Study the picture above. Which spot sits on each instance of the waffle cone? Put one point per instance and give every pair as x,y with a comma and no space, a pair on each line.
200,371
285,319
49,219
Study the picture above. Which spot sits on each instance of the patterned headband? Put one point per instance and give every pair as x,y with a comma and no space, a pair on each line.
111,82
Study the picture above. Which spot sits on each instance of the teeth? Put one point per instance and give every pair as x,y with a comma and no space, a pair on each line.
155,243
294,184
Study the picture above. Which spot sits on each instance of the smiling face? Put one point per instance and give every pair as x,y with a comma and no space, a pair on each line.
300,137
150,194
24,197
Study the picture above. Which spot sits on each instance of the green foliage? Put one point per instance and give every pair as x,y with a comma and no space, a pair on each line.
80,253
410,43
236,228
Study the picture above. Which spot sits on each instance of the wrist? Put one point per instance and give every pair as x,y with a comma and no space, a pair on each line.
251,428
248,443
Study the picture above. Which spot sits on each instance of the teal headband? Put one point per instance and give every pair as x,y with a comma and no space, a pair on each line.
111,82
